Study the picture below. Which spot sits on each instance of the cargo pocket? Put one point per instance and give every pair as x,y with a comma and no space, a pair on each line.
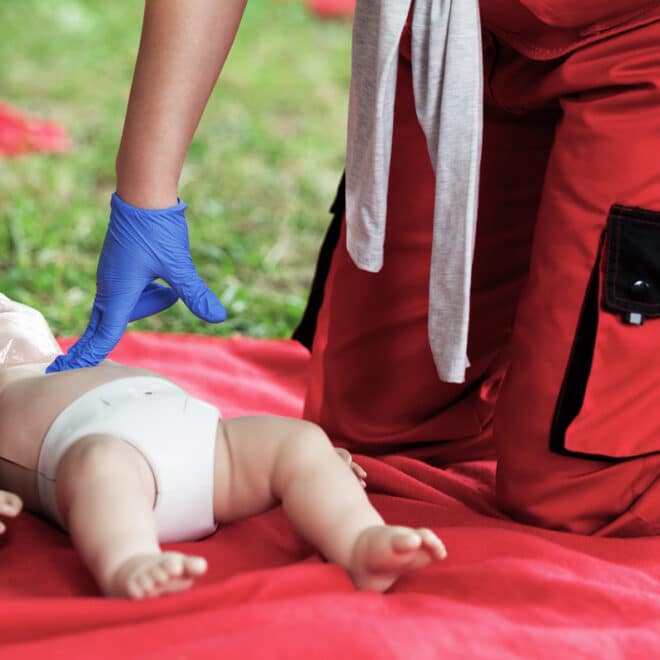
609,403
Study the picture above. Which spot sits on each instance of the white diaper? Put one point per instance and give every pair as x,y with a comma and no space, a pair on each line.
175,432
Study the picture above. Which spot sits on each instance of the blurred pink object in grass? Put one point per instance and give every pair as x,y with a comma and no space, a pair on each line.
20,134
331,8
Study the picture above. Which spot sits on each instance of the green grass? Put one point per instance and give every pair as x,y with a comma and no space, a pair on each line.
259,177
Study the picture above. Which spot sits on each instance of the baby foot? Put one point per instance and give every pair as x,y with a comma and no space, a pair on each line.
382,554
148,576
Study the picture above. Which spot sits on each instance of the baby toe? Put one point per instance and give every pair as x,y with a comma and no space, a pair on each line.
432,543
173,564
195,565
134,589
159,575
405,540
145,582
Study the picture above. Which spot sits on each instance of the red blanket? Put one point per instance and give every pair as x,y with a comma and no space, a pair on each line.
506,590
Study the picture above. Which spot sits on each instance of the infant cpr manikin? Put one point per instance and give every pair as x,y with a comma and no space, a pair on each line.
175,432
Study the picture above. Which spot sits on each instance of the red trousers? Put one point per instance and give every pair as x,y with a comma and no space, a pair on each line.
564,387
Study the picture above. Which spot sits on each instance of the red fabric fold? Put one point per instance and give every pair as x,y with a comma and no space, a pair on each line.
506,590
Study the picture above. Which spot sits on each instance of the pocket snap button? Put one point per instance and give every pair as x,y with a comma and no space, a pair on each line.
639,290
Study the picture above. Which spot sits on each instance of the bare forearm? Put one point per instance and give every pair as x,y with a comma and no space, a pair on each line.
183,48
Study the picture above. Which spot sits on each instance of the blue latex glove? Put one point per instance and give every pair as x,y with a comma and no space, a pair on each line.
140,246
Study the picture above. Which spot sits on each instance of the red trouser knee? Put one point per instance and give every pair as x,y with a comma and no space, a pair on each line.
576,424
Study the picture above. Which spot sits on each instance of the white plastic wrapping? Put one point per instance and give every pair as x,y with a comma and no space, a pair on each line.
24,335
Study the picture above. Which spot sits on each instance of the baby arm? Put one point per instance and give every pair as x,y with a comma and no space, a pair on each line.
261,461
10,505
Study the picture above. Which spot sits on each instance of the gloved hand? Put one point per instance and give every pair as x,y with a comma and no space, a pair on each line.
140,245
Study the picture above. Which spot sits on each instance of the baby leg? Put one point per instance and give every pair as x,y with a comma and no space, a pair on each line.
105,493
261,460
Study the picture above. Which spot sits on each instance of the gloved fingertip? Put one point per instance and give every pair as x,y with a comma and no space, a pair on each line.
209,308
77,358
61,363
55,366
220,314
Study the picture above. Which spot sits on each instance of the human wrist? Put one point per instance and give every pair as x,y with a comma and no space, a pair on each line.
147,197
118,203
143,186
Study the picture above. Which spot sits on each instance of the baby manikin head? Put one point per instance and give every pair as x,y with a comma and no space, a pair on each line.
24,335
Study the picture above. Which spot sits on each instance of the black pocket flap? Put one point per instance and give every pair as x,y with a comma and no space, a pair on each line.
632,264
